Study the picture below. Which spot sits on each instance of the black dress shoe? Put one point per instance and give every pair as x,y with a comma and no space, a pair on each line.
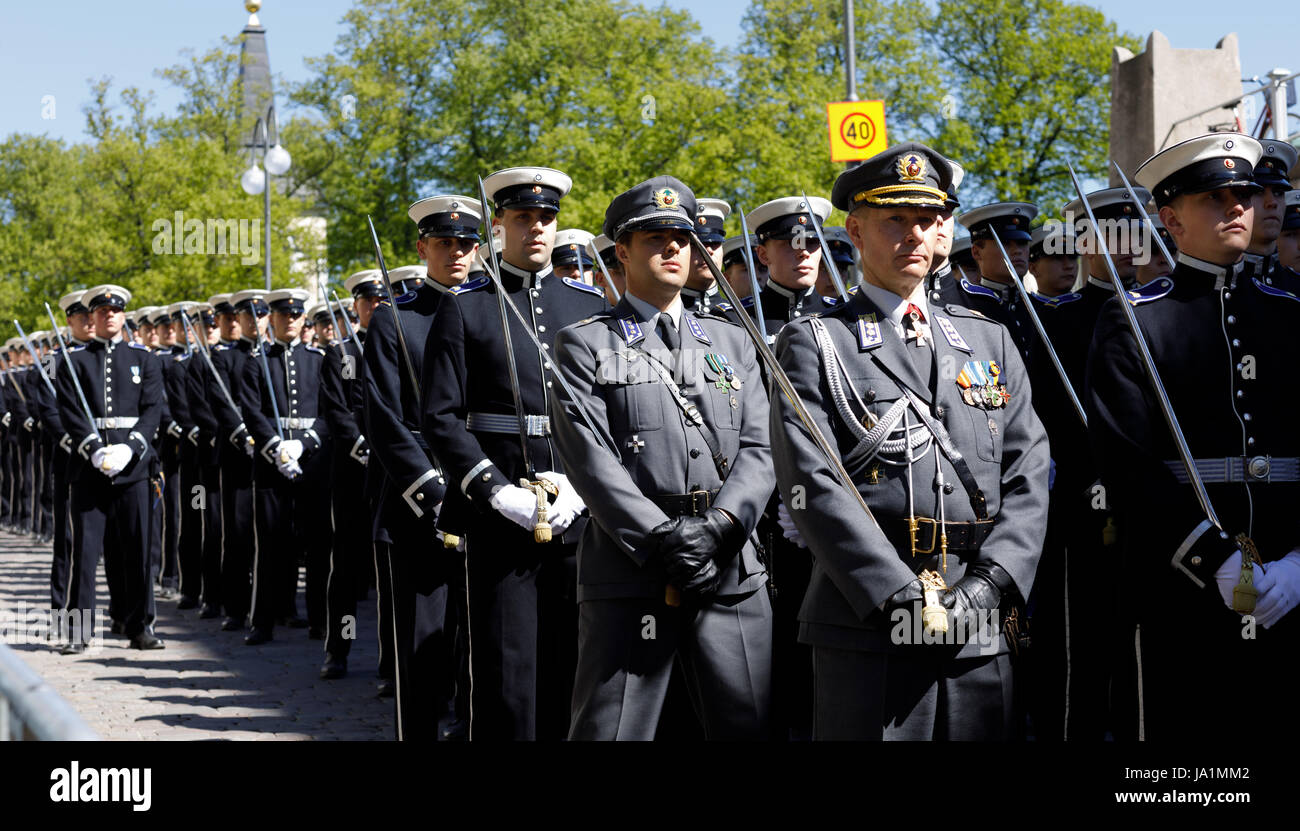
188,603
456,731
209,611
147,640
387,689
333,668
117,628
316,633
257,636
294,622
72,649
231,624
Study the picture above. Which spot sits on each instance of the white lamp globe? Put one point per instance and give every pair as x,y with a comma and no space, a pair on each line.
277,161
253,181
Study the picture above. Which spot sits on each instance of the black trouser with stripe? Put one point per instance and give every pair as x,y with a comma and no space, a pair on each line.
523,630
292,519
238,539
351,556
171,523
62,530
112,520
44,500
205,503
190,540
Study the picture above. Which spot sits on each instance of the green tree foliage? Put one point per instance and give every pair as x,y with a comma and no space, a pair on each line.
440,94
1031,82
420,97
792,64
106,211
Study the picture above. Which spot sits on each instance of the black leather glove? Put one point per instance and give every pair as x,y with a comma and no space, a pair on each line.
913,592
689,550
982,587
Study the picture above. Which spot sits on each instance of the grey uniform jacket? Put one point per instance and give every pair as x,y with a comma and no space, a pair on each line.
855,567
659,451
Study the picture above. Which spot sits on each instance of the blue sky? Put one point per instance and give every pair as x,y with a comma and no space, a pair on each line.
51,47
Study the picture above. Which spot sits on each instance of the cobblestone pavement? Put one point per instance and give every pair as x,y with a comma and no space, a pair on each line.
206,684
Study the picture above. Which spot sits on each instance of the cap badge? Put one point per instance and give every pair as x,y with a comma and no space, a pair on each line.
700,220
537,189
665,199
911,168
1229,163
455,216
803,220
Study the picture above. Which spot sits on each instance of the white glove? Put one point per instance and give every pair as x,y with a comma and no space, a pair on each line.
1229,575
291,449
1279,590
116,458
516,504
788,528
567,505
288,468
97,458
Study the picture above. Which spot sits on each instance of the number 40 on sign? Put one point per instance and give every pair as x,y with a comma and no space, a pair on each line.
857,129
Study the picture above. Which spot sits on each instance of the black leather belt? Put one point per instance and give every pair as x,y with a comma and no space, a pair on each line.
962,536
694,503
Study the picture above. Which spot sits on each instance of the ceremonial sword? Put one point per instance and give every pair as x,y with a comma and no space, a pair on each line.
826,251
609,281
76,382
1042,332
754,288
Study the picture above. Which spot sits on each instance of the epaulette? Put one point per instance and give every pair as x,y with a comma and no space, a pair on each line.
716,312
1154,290
139,346
407,297
831,301
469,285
315,349
852,290
602,315
181,357
76,347
578,284
747,301
966,311
222,347
1274,291
724,306
971,288
1059,300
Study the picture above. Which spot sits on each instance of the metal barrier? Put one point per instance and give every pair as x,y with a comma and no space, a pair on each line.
31,710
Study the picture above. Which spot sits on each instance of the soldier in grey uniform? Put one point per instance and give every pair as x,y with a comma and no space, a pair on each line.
929,410
679,396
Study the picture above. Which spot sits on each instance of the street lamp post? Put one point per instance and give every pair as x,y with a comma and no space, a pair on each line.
266,137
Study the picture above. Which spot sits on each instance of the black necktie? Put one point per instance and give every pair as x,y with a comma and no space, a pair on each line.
668,334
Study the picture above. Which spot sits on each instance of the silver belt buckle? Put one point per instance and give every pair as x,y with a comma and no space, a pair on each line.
110,423
293,424
1258,467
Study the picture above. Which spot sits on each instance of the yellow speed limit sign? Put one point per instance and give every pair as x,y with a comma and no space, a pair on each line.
857,129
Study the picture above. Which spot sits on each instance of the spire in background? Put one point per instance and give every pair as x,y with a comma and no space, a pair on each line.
254,70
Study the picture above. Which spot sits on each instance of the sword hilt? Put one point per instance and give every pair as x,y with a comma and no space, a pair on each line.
542,528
